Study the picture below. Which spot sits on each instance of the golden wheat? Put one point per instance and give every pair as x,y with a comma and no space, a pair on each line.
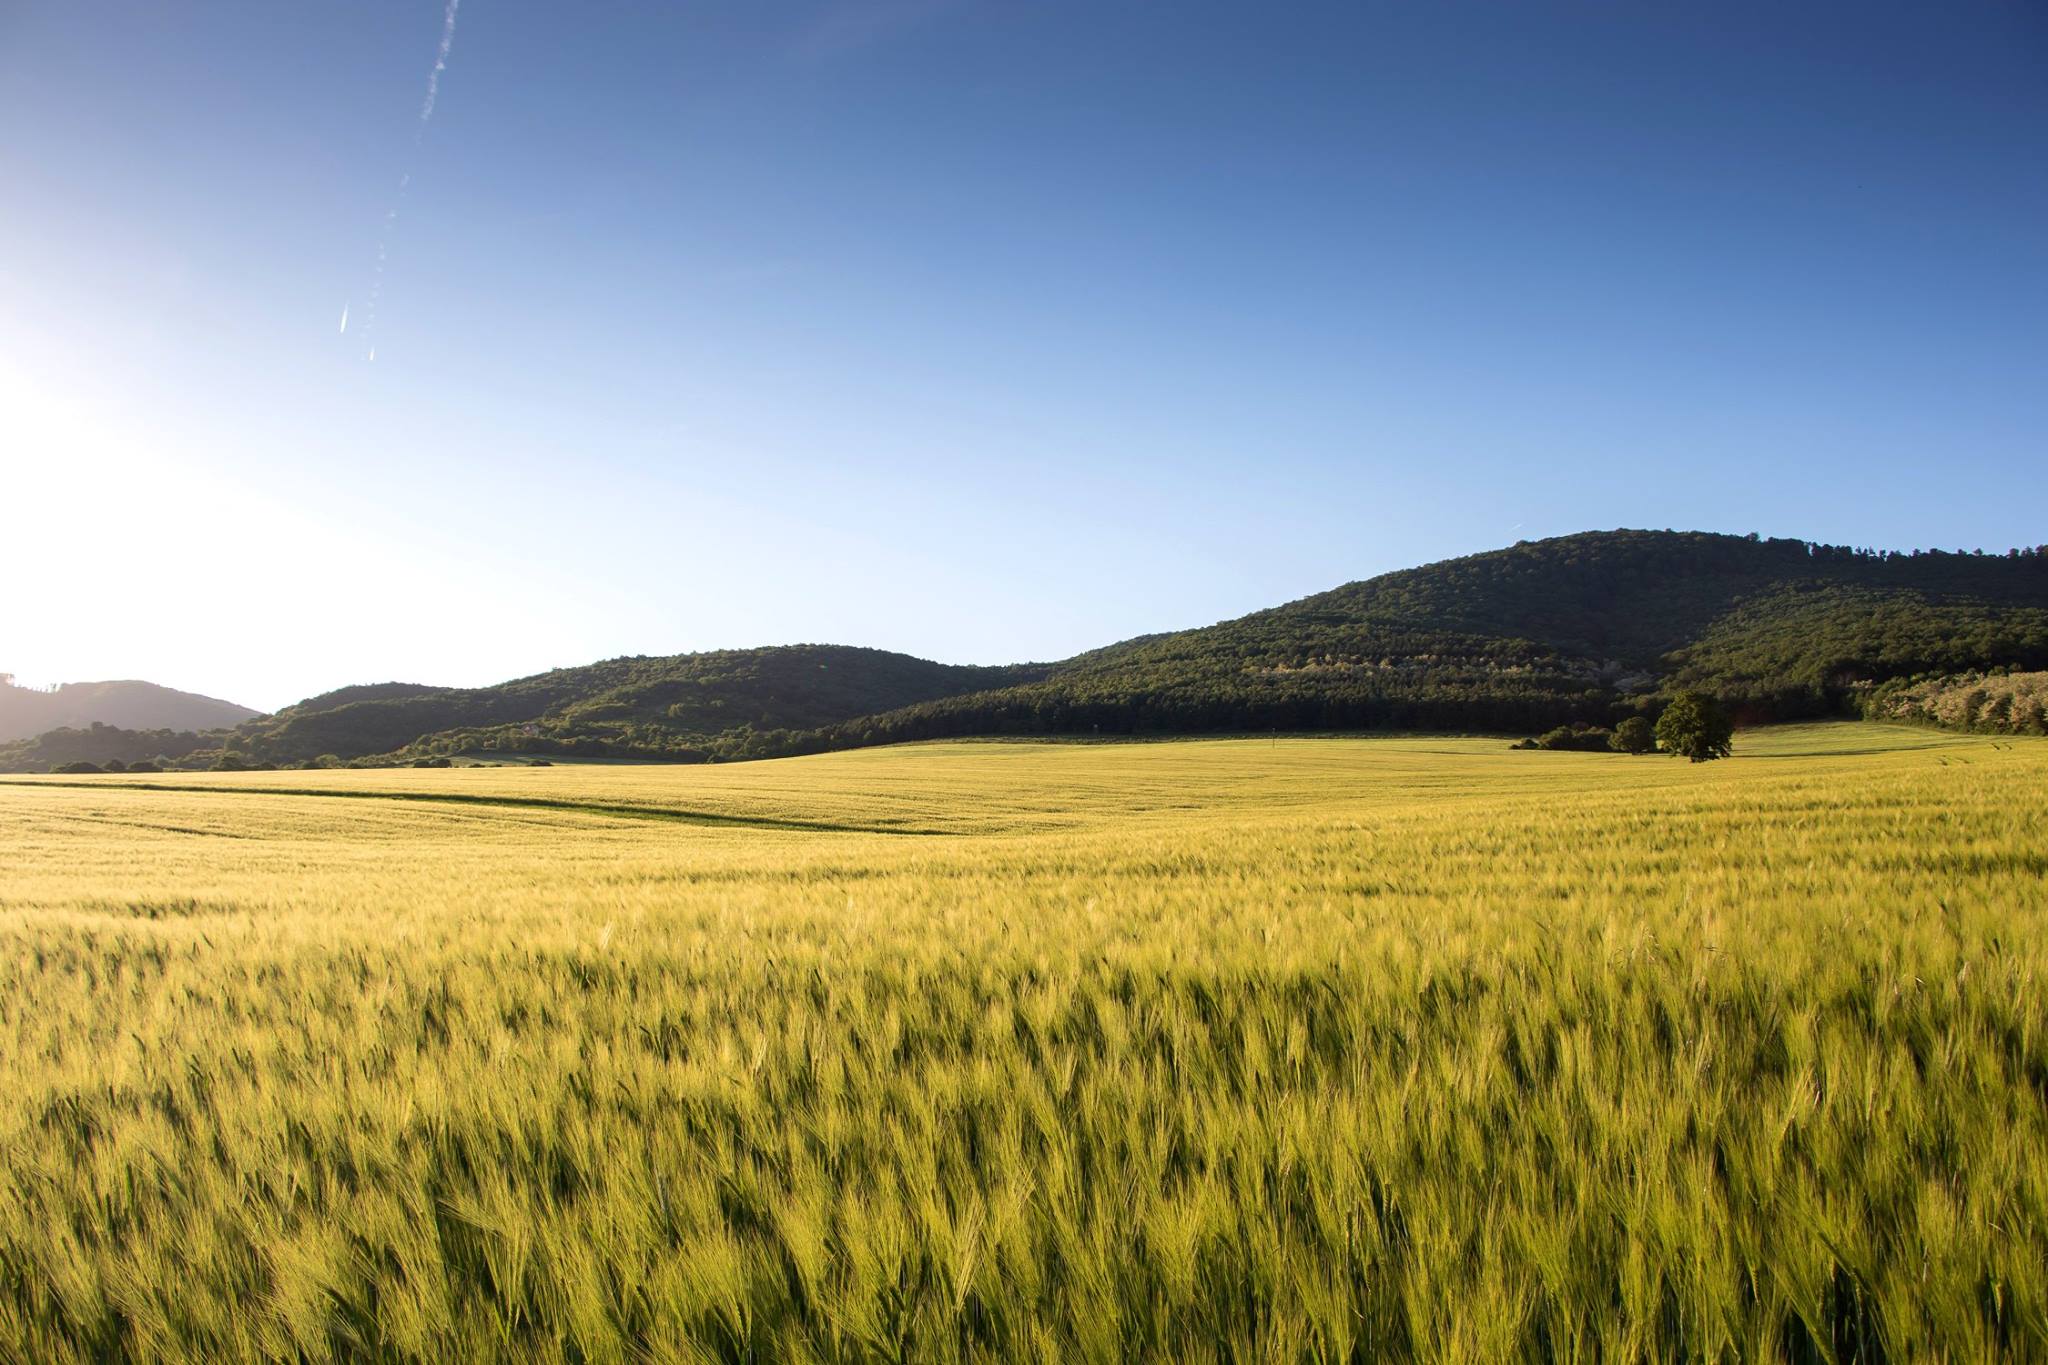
1235,1050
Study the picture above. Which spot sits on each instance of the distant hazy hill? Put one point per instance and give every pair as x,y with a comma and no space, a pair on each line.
26,711
1579,628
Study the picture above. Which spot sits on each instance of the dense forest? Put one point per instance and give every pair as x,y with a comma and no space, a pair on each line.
1582,630
629,705
101,745
2012,703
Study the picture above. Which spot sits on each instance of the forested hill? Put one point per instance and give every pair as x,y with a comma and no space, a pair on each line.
26,711
1588,628
1584,627
656,706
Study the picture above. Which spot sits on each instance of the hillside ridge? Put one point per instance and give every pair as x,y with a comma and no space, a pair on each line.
1585,628
125,703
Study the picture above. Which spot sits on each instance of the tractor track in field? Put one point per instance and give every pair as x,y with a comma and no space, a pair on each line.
618,810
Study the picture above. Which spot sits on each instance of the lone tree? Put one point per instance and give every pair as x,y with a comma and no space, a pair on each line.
1695,727
1633,736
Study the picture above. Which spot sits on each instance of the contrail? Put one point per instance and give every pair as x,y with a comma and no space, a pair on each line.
440,63
344,319
419,133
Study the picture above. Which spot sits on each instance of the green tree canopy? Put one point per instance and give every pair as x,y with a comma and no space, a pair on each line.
1633,736
1695,727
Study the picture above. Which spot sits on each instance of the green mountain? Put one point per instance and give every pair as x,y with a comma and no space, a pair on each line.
1579,628
109,745
1585,628
667,706
27,711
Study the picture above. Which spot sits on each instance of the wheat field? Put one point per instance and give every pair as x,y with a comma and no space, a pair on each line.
1235,1050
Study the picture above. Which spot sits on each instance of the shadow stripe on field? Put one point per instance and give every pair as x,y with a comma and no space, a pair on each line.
620,810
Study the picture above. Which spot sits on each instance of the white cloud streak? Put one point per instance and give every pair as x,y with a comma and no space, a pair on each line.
368,331
440,63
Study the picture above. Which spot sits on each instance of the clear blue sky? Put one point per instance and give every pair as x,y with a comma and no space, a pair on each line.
985,331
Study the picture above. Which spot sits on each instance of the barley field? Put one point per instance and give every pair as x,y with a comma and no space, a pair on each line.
1237,1050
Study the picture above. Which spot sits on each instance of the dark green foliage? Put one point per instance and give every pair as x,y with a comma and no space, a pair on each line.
430,763
1634,736
1695,727
1996,702
637,706
77,768
1592,739
1577,630
344,696
101,745
1805,649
